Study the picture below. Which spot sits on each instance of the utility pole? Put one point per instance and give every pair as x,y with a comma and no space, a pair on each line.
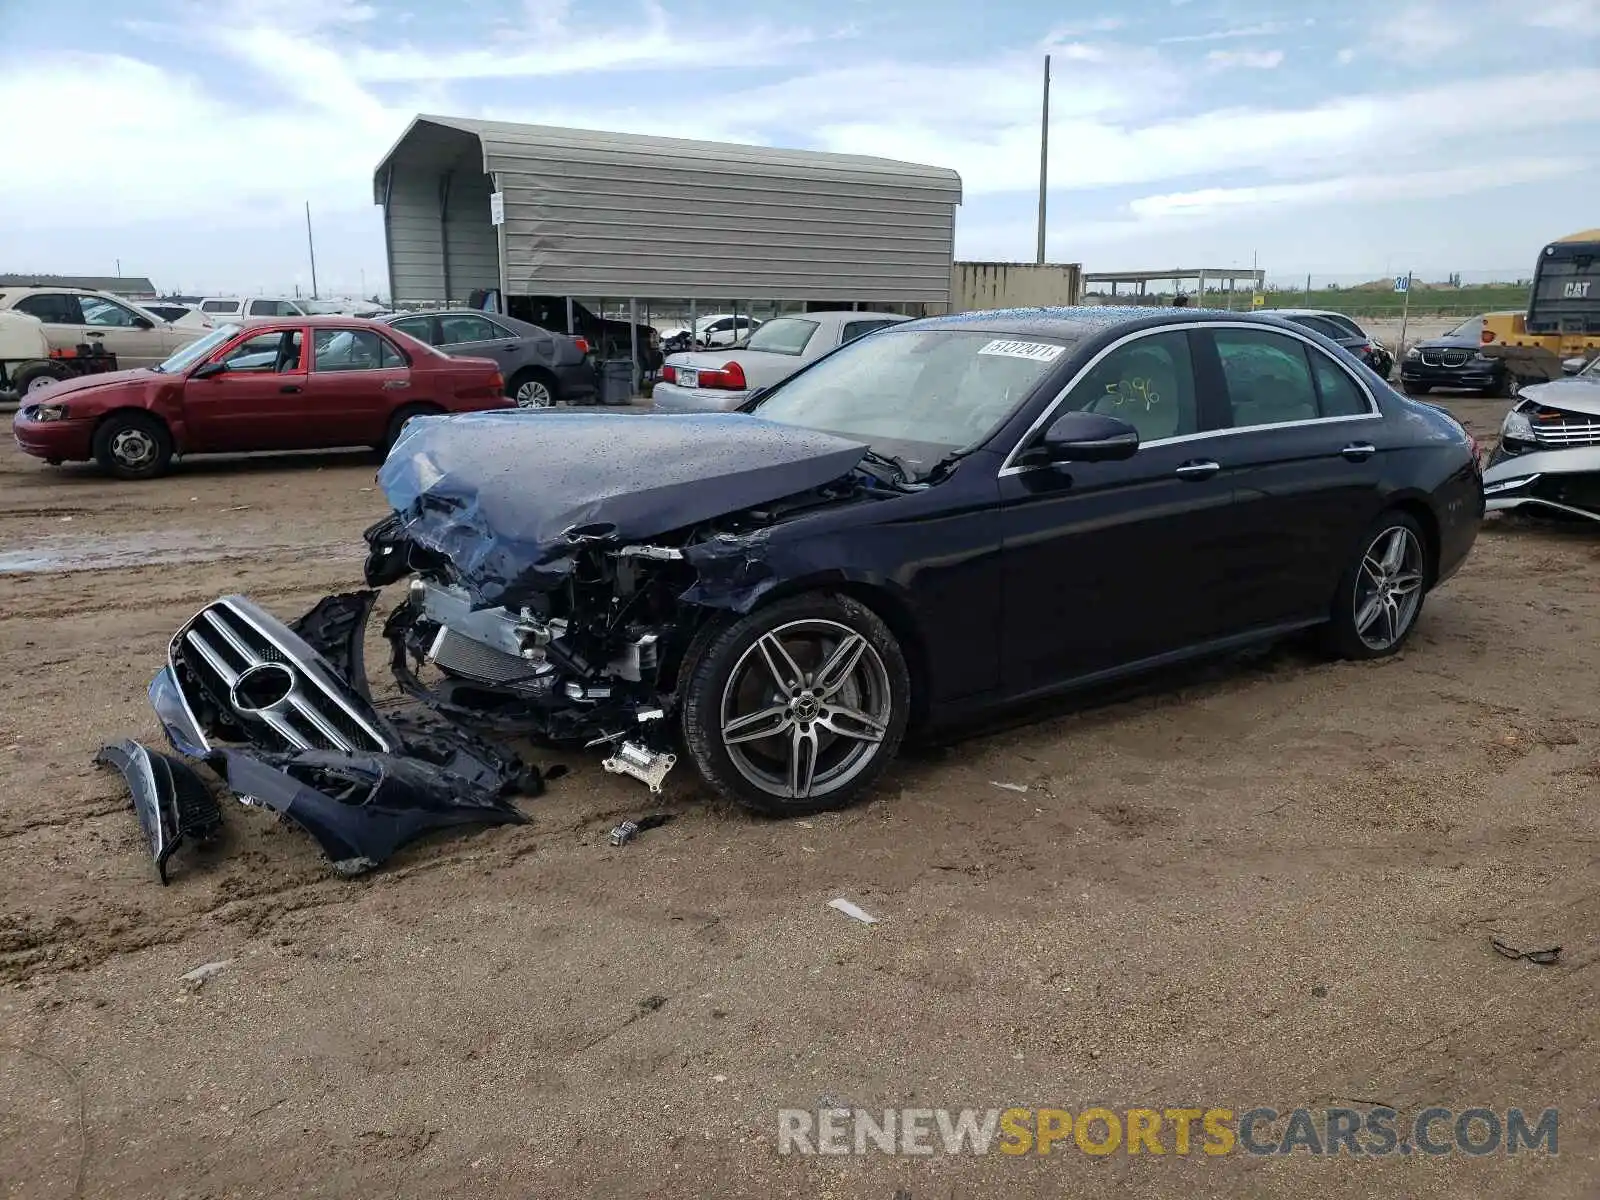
119,268
312,247
1044,155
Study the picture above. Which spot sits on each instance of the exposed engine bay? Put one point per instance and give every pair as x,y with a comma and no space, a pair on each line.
586,648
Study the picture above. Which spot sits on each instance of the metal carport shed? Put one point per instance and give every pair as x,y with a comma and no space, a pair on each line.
628,217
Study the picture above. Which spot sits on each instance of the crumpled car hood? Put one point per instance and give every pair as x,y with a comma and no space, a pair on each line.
502,494
1580,394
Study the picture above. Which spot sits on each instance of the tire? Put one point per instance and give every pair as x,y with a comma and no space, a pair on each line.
1505,388
398,422
1392,554
37,377
726,677
133,445
1415,389
533,388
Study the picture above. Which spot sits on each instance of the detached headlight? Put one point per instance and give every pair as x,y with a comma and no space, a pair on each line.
1517,427
50,412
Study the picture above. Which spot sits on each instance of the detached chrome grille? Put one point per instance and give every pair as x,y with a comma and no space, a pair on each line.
256,673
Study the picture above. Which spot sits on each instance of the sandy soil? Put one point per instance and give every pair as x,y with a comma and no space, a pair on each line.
1270,882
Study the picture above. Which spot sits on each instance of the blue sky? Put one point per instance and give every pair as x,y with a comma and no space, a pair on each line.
1357,139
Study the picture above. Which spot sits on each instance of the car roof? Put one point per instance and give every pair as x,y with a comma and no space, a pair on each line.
1311,312
1090,321
51,289
318,321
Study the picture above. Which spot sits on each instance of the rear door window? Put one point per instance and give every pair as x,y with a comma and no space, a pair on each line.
53,308
1268,376
220,306
353,350
458,330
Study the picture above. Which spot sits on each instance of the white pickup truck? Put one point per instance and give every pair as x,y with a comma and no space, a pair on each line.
233,308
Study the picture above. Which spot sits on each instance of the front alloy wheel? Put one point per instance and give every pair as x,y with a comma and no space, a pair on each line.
797,708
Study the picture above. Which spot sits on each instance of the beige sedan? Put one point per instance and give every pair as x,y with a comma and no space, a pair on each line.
75,317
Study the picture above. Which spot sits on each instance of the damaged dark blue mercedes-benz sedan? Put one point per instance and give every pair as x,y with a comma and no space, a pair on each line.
949,515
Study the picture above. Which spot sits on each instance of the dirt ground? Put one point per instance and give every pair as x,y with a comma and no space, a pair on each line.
1269,882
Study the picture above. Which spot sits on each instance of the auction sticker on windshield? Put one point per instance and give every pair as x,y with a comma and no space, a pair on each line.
1038,351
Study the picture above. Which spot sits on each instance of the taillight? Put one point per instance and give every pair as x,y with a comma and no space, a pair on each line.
583,346
731,377
1486,336
669,373
497,383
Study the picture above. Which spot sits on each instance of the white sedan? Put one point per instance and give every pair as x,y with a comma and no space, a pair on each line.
720,381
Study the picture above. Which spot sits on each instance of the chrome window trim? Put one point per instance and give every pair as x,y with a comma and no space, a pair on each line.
1374,411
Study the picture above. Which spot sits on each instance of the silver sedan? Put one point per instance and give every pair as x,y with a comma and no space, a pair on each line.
722,380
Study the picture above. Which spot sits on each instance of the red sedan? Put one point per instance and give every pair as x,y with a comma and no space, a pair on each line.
299,383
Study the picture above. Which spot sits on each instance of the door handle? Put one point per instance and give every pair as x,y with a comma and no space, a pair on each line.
291,387
95,333
394,385
1200,468
1359,451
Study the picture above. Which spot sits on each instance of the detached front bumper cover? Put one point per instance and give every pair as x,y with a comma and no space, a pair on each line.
284,716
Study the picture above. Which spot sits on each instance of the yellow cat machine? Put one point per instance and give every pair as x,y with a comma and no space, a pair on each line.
1560,332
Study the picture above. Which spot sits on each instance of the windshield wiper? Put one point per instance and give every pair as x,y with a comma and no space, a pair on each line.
903,472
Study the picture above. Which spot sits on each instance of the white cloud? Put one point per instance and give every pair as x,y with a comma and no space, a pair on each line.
1263,29
1105,150
1439,184
554,47
1255,60
1581,17
1081,28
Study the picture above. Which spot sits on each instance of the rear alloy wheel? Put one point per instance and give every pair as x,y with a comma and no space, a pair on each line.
797,708
1381,593
535,391
132,445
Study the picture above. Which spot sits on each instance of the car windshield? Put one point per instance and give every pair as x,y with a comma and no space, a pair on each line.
917,394
785,335
195,351
1469,330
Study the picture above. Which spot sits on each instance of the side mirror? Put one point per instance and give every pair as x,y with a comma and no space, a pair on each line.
1089,437
144,323
210,370
1572,366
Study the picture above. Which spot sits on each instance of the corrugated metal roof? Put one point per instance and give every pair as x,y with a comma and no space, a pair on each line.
507,141
596,214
